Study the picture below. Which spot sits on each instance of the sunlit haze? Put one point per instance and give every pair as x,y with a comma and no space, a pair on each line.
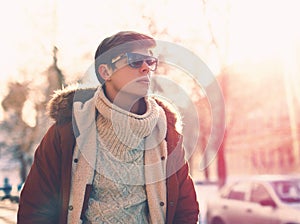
246,32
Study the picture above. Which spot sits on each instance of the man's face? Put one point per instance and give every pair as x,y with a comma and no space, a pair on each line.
132,80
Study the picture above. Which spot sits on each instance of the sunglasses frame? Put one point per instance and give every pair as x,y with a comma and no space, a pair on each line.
138,61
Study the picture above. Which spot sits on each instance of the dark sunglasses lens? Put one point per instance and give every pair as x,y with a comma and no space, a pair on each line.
137,60
152,63
136,64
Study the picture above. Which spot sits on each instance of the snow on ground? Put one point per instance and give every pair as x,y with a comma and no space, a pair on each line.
8,212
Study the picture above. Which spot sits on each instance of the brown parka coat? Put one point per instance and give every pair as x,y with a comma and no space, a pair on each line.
46,192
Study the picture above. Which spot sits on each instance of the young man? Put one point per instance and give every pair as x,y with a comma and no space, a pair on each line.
113,154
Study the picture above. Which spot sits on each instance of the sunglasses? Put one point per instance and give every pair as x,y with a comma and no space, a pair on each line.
135,60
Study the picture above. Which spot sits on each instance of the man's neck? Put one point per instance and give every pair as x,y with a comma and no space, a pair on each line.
134,104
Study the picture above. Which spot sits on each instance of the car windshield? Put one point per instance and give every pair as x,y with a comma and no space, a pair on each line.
287,190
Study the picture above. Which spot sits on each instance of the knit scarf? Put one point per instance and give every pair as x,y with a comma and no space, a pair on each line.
121,131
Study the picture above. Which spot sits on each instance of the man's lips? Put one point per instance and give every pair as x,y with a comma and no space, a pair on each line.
143,80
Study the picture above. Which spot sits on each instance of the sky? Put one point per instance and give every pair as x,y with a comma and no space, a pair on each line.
246,32
254,29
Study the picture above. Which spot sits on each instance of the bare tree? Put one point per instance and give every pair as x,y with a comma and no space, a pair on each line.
19,141
221,44
23,138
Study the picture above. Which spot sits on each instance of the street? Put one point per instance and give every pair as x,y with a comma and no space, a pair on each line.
204,191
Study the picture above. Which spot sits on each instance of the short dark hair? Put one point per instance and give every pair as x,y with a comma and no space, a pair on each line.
119,43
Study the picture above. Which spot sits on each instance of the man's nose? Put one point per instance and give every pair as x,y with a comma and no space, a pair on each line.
144,68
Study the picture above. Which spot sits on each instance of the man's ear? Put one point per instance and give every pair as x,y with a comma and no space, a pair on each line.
104,71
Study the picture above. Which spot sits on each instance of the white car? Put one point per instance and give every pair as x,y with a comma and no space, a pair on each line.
257,200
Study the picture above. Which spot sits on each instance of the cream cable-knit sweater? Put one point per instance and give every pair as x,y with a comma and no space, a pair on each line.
155,169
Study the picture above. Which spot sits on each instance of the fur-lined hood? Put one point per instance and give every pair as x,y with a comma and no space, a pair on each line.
60,107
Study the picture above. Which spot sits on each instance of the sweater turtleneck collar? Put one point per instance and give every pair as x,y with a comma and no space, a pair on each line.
121,130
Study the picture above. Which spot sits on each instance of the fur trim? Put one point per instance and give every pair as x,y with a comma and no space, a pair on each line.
173,116
60,107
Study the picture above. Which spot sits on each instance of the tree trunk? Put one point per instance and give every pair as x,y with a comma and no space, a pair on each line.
221,164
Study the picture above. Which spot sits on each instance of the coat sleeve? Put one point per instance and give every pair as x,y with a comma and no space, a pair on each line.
183,207
39,200
187,209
